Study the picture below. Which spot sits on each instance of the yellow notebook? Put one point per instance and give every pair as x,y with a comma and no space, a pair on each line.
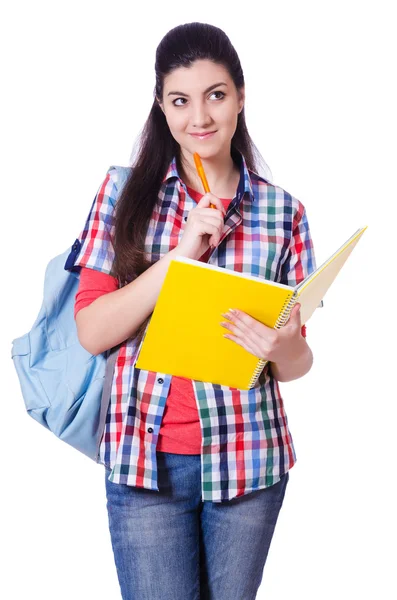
184,336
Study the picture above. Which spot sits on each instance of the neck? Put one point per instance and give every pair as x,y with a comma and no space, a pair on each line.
220,171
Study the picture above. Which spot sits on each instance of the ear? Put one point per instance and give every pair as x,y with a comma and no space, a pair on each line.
241,99
160,104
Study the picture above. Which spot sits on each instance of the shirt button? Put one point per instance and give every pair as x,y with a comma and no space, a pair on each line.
150,430
185,218
160,380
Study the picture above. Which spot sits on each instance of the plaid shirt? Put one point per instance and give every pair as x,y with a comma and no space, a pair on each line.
246,442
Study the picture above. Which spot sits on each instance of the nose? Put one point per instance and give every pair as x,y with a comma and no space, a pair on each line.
200,116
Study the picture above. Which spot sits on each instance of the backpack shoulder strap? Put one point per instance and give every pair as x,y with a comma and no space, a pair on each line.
122,176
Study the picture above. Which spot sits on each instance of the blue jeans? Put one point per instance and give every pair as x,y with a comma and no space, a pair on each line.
170,545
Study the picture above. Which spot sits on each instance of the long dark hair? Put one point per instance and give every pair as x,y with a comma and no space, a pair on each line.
180,47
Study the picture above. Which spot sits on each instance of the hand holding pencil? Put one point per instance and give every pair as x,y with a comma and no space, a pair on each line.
204,227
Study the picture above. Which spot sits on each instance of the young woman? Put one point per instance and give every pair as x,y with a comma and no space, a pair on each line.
195,472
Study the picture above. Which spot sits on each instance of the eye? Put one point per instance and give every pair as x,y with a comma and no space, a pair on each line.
216,92
219,92
173,102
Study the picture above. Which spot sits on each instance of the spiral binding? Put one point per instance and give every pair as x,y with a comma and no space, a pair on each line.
282,319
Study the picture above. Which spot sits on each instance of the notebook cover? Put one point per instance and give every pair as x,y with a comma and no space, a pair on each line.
184,336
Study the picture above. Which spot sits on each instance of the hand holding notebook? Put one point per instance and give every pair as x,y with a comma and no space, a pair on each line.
190,344
275,345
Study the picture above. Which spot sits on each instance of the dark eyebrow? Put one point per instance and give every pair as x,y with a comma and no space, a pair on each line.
205,91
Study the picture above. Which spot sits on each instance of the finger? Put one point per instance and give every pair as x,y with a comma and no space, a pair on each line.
247,345
211,230
211,214
210,198
251,327
295,316
207,227
295,310
245,335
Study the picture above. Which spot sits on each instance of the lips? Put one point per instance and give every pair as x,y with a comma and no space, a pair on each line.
203,136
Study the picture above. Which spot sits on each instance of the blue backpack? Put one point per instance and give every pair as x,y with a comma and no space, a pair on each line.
64,387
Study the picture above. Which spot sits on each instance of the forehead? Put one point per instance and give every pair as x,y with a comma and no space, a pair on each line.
200,75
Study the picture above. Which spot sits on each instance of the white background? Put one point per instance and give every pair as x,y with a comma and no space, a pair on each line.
78,81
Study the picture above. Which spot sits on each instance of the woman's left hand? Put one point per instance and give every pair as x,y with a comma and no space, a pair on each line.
276,345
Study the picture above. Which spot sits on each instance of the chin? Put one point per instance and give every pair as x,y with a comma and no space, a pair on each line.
205,150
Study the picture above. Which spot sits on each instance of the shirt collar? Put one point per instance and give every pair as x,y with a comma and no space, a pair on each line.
245,183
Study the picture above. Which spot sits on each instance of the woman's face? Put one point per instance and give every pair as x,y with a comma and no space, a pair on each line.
190,106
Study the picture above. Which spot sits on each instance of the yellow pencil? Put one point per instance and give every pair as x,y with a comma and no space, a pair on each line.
200,171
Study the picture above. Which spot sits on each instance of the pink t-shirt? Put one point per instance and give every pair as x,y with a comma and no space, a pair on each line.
180,430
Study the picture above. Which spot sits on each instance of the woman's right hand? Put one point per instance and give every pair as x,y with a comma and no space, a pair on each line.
203,228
